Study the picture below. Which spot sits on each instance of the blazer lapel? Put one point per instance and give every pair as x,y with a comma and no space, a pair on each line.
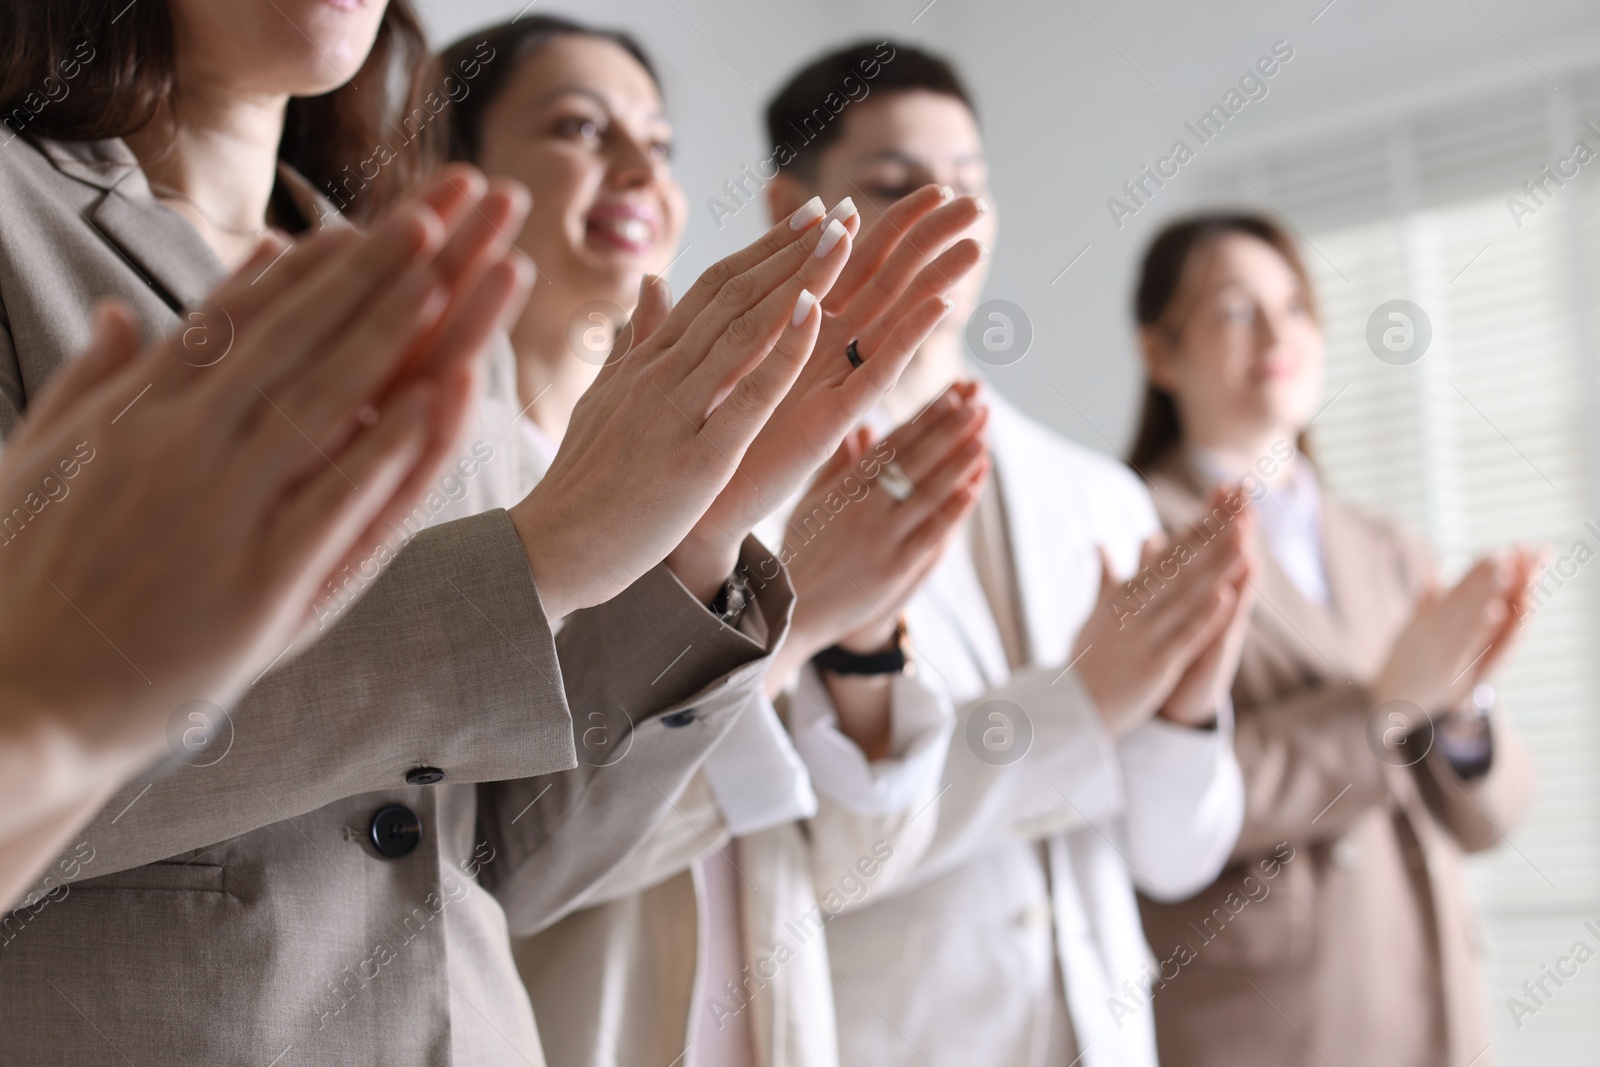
1046,630
1307,629
156,242
1365,623
159,242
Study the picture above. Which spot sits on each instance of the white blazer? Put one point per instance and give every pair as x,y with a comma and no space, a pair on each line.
1030,878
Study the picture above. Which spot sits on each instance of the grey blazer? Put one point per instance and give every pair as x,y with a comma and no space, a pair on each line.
245,912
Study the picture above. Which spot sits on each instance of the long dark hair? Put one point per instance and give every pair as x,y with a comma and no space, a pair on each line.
1160,276
115,71
493,55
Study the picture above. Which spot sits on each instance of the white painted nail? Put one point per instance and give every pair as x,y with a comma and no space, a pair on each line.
844,211
983,251
983,205
802,307
945,192
830,237
806,214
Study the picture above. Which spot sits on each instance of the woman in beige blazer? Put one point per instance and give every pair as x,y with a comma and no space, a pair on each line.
1373,750
705,946
388,807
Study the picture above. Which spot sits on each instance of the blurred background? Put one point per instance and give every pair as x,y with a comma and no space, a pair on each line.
1396,143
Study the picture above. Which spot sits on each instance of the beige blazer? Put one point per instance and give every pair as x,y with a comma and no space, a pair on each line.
1348,936
241,913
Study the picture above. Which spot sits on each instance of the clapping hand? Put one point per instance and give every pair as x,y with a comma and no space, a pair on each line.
1143,636
1456,638
888,300
864,538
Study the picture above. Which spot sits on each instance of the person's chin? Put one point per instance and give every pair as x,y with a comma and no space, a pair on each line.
617,282
621,270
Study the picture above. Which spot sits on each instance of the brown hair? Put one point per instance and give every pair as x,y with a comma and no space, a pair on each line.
517,40
71,70
1160,276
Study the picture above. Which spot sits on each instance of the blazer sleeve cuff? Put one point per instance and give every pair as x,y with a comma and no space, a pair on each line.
1185,804
654,646
921,721
757,777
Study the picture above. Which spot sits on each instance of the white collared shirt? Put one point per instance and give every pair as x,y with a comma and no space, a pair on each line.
1291,522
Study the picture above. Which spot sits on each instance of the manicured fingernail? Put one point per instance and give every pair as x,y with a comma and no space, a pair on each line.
802,307
949,304
983,250
806,214
830,237
843,211
945,192
982,204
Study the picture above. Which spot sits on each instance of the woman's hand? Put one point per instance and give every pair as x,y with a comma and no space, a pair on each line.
857,552
854,552
186,503
666,424
1144,635
1205,685
888,300
1456,639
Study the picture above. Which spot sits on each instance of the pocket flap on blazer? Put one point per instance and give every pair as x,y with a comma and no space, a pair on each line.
189,877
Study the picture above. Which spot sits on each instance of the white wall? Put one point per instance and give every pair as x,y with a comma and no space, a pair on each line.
1074,97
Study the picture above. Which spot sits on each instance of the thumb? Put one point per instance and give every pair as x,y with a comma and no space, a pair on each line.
655,304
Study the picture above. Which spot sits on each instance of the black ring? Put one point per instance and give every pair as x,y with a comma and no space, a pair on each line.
852,355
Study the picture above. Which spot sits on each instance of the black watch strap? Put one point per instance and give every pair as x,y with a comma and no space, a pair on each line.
836,660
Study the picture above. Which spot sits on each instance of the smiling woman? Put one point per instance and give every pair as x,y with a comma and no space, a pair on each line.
577,116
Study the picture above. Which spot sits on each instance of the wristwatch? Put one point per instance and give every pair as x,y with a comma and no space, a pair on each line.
836,660
731,600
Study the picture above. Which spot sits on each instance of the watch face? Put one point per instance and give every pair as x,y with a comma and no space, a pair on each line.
732,599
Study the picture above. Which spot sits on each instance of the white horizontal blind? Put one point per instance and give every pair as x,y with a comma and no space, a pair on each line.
1491,437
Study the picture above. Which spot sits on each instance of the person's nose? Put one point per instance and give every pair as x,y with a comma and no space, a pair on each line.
631,162
1269,329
